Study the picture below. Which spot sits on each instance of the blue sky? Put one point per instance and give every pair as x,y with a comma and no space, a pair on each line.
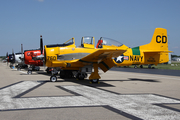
131,22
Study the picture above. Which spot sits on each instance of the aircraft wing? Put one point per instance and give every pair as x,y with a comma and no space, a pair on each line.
102,54
103,57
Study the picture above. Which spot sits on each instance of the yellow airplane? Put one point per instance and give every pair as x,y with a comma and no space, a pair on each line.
78,61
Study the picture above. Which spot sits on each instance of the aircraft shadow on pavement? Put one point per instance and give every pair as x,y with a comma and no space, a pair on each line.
81,82
102,83
134,79
36,73
143,80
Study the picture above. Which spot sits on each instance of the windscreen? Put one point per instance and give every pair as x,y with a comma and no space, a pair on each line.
110,42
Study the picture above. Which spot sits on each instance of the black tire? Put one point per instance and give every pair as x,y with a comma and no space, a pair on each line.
18,69
95,80
53,78
80,76
29,72
62,74
149,66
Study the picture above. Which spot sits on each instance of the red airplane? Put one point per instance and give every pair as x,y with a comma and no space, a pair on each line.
30,55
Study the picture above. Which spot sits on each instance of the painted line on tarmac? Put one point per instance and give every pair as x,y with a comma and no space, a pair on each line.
142,106
156,76
23,72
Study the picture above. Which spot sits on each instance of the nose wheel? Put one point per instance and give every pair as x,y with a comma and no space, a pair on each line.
94,81
53,78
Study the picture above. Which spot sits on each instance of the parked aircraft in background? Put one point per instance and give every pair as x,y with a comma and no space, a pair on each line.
30,54
16,59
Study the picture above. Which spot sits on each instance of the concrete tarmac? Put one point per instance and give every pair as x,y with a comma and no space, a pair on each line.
123,94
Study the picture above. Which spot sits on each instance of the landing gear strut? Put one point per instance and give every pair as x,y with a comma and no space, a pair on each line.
80,75
94,77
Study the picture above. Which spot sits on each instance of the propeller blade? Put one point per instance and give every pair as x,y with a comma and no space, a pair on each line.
6,54
41,44
7,59
21,52
21,48
13,56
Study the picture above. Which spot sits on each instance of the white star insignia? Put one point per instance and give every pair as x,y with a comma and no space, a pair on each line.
119,58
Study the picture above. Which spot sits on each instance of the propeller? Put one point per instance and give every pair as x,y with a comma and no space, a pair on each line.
41,48
13,56
6,55
21,48
40,57
41,44
7,59
21,52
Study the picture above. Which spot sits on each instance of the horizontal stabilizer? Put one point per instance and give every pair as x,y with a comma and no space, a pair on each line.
157,51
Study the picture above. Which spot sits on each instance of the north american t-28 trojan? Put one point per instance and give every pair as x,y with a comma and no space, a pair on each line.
78,61
16,59
30,58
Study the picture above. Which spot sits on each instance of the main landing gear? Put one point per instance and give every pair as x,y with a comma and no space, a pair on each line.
80,75
33,68
68,74
53,78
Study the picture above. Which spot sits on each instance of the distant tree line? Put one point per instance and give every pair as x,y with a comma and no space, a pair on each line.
3,57
174,56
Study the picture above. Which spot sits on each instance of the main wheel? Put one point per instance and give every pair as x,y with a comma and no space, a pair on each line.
29,72
80,76
53,78
18,69
149,66
62,74
94,80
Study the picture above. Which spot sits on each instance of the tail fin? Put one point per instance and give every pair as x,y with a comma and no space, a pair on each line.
157,50
159,42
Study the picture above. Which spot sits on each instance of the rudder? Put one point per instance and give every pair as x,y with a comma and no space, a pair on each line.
159,41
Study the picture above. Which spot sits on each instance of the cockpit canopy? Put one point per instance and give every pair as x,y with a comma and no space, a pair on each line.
87,42
107,42
69,43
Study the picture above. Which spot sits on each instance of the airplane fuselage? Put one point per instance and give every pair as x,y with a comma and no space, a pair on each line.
137,57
